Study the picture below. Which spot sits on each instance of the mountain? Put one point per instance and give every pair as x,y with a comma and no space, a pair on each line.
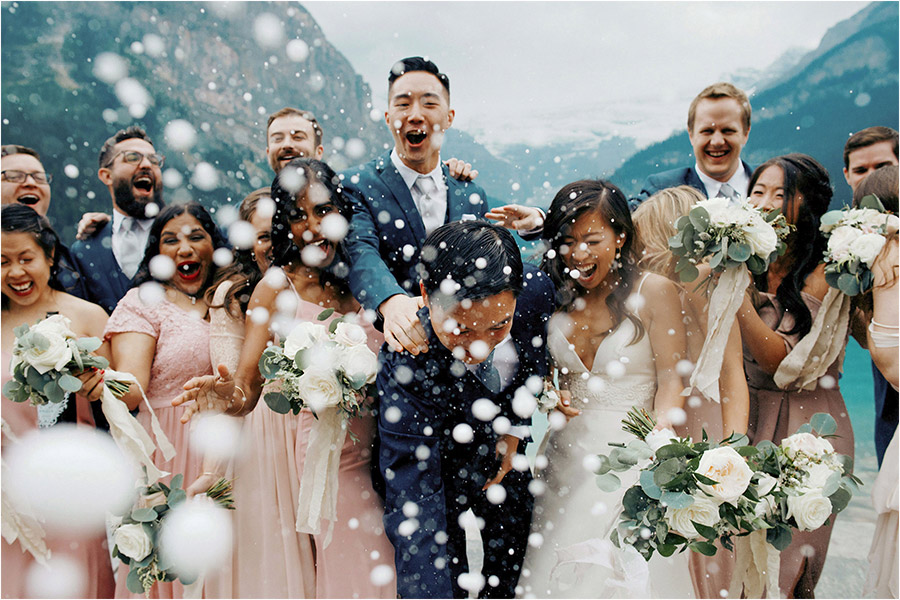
74,73
848,83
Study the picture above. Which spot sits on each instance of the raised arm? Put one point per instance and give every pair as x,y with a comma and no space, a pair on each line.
661,314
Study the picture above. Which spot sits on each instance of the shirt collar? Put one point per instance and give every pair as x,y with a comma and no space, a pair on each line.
119,220
739,182
410,175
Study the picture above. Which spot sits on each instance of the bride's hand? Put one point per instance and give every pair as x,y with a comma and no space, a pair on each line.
207,393
201,484
565,405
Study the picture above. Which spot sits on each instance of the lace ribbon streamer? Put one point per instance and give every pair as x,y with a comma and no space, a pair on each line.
628,575
319,483
20,525
756,569
811,357
128,434
724,302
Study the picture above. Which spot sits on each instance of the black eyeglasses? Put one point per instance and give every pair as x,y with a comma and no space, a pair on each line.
17,176
133,157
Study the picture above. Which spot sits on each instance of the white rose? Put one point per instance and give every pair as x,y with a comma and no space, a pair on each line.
319,388
839,241
56,330
702,510
765,507
867,247
302,336
349,334
133,541
817,475
809,444
729,469
761,237
718,210
765,484
892,223
359,360
154,499
658,438
809,510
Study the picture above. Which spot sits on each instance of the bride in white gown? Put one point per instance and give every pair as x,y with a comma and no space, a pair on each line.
615,345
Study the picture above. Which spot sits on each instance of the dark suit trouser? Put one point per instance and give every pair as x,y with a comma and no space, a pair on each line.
886,413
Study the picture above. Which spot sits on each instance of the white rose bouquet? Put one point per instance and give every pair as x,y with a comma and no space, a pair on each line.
856,237
320,368
327,370
46,356
731,234
135,538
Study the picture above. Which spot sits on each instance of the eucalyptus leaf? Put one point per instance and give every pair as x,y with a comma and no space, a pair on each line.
133,582
756,264
649,486
689,273
699,218
608,482
604,464
831,484
716,259
666,472
142,515
176,482
332,327
840,499
88,344
871,201
739,251
848,284
69,383
635,500
176,497
676,499
278,402
325,314
675,241
831,217
779,537
666,549
823,423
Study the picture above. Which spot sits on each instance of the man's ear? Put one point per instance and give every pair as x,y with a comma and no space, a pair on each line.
846,175
424,295
105,176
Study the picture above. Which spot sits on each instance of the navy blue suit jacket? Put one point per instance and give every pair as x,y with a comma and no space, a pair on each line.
383,255
103,278
674,178
422,399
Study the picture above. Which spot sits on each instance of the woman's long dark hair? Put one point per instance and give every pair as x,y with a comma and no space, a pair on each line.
571,202
19,218
167,214
284,250
807,193
244,271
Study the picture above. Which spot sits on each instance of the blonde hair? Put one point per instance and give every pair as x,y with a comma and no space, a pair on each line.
655,220
722,89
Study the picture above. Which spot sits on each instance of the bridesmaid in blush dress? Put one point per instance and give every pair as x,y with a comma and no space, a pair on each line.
311,278
160,333
771,325
27,247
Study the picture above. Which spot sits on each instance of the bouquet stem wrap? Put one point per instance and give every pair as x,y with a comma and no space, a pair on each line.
319,484
21,525
824,342
724,302
756,569
128,434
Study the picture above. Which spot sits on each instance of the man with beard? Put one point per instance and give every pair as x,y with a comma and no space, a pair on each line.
25,181
292,133
132,171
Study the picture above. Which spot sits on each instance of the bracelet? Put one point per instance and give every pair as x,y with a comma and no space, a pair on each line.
243,399
210,473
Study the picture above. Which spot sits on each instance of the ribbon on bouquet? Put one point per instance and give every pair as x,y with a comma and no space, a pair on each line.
319,483
756,569
724,302
128,434
20,524
810,358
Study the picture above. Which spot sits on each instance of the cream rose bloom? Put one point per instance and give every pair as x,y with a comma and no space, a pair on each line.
359,360
729,469
867,247
57,331
133,541
349,334
839,242
303,336
809,510
703,511
658,438
765,507
761,237
765,484
319,388
817,475
809,444
155,499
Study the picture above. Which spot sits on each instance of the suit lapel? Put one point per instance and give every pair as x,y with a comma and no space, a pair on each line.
458,203
397,187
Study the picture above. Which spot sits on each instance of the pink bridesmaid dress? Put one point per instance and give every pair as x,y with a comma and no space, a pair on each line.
182,352
358,544
92,555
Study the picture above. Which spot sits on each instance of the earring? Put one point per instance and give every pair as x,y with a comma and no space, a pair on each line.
618,259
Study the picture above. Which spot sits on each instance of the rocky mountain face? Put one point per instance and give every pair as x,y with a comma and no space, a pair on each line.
848,83
74,73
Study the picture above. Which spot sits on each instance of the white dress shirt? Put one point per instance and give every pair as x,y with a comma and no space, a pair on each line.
129,256
432,207
739,182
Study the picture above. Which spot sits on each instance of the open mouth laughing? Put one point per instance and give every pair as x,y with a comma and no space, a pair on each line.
189,270
143,182
21,289
29,199
416,137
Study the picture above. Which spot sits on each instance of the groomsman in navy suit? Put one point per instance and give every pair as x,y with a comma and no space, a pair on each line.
131,169
446,420
718,127
405,194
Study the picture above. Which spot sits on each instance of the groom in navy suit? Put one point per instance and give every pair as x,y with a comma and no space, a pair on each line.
446,417
718,127
405,194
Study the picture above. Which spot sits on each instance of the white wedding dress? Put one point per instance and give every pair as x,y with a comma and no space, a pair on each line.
572,515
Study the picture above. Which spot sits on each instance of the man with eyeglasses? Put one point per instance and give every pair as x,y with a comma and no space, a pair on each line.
23,179
131,169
